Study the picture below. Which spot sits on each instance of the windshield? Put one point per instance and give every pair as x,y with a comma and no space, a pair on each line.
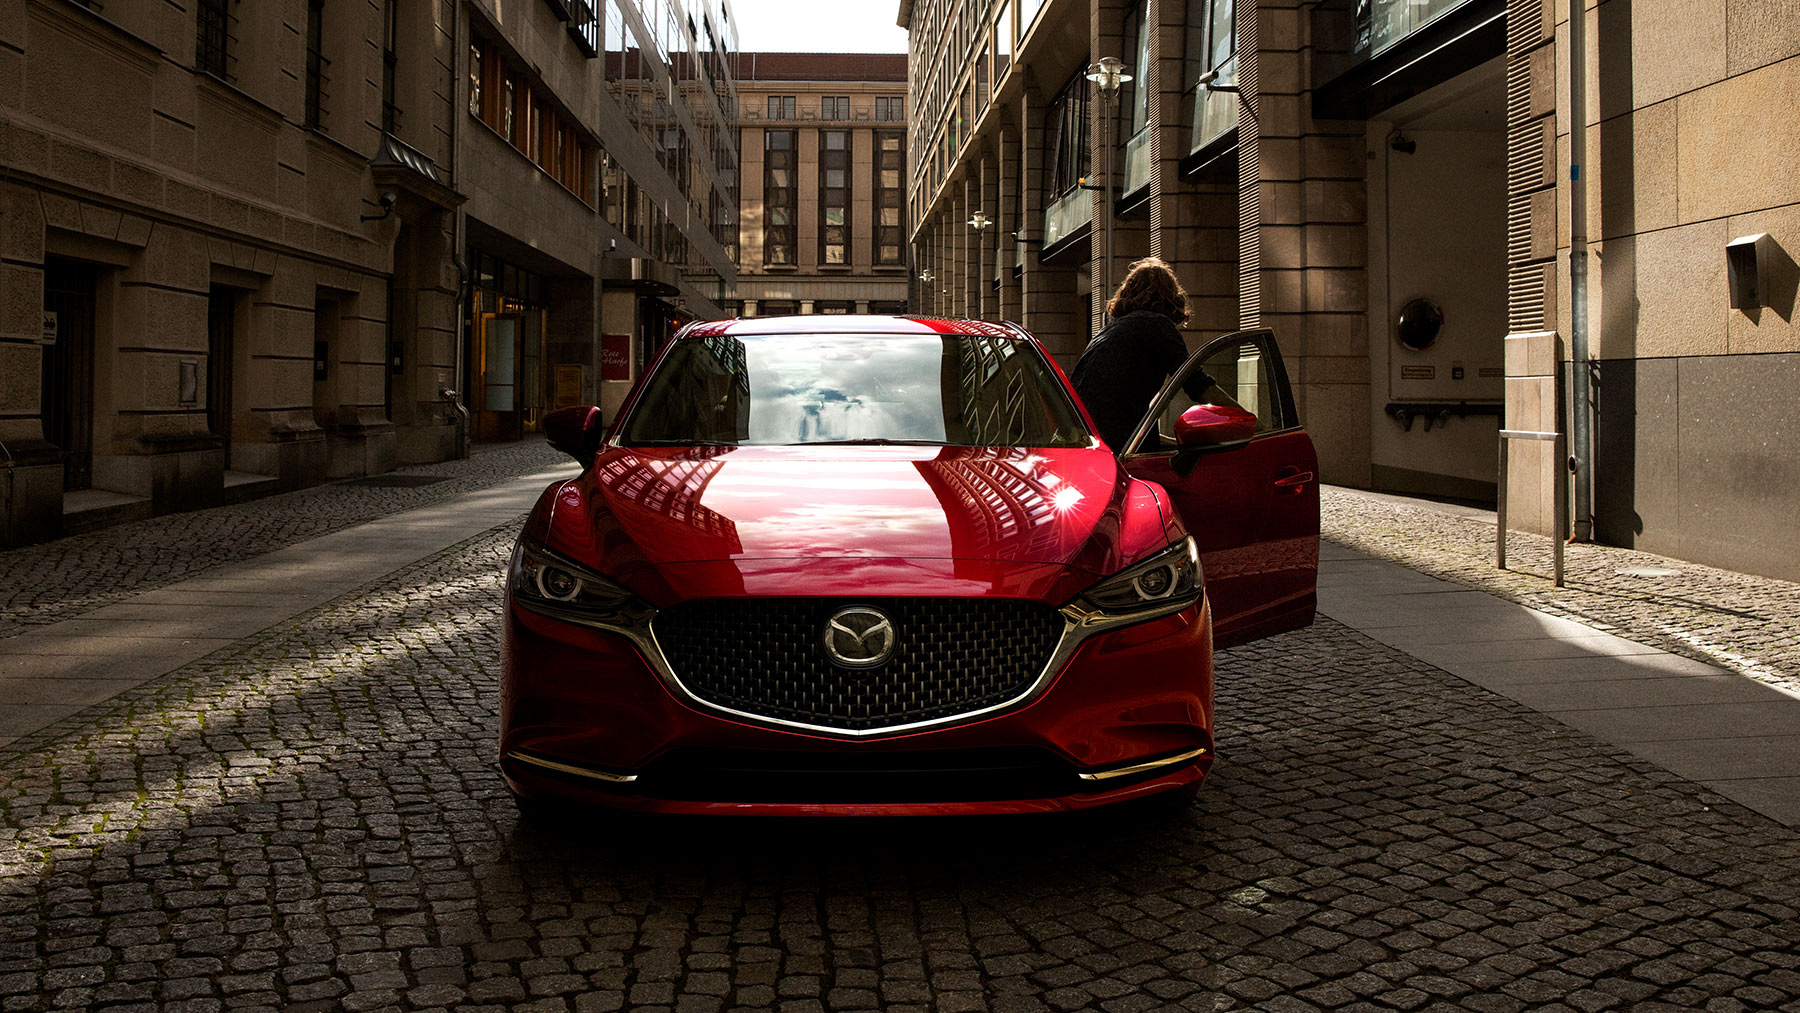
784,389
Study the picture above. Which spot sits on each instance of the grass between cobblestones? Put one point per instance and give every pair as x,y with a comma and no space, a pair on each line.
310,820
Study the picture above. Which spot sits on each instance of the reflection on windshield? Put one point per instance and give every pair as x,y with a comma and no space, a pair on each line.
958,390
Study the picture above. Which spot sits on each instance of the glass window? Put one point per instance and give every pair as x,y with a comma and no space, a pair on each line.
475,71
779,196
1003,40
1212,49
778,389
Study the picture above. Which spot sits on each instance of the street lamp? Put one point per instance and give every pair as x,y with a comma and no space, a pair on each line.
1107,73
979,220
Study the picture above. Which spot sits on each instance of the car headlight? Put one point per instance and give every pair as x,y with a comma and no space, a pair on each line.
1167,582
553,585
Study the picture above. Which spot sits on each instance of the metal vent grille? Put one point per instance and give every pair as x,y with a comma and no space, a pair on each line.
766,656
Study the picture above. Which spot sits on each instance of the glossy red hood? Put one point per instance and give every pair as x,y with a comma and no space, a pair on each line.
661,507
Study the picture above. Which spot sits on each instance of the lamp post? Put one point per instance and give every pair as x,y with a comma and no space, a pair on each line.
925,293
1107,73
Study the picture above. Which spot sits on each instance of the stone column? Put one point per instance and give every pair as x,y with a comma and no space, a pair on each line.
1533,345
1304,248
1010,305
31,469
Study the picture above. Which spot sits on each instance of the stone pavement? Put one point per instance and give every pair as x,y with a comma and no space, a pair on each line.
308,818
50,671
46,583
1743,622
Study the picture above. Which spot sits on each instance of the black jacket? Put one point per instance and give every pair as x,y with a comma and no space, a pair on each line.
1123,368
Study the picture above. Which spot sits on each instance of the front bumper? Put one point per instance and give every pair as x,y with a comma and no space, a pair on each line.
585,716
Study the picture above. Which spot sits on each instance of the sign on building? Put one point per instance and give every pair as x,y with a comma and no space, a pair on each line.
615,357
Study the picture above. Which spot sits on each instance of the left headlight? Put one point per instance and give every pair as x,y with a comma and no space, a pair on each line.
1167,582
553,585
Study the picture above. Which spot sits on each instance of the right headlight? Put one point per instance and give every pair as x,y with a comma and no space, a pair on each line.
551,584
1167,582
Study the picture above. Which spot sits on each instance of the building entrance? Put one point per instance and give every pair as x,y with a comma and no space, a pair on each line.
507,354
68,391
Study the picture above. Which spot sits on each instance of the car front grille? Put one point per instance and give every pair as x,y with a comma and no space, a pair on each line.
766,657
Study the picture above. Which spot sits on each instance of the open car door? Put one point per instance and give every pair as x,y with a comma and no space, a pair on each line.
1244,482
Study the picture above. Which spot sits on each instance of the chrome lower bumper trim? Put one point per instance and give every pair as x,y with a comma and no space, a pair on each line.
566,768
1139,768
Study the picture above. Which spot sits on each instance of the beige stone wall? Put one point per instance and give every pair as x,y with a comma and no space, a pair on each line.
116,152
808,283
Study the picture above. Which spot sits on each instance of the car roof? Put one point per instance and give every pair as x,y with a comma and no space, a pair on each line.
841,323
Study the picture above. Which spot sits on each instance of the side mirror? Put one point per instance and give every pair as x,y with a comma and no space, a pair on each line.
575,431
1211,425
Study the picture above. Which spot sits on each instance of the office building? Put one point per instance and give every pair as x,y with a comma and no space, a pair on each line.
1389,185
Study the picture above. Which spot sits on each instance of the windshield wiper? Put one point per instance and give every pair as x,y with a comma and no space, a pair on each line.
681,443
871,442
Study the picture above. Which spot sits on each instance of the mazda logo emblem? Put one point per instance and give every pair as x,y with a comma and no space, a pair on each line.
858,637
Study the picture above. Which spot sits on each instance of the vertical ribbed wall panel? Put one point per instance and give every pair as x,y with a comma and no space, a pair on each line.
1525,287
1249,180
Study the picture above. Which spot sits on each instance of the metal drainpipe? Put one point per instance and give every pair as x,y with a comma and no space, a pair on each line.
1581,441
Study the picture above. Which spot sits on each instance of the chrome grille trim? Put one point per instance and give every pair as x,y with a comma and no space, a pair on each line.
764,656
1079,623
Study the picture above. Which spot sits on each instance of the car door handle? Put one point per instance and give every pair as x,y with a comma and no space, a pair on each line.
1294,483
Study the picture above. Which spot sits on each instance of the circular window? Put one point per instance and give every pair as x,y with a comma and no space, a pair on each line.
1419,325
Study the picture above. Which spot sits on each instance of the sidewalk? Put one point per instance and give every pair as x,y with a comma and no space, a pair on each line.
253,566
1696,670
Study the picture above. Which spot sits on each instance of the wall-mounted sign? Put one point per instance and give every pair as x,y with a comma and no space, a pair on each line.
569,382
615,357
49,337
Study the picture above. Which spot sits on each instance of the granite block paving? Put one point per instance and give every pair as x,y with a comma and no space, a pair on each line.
310,819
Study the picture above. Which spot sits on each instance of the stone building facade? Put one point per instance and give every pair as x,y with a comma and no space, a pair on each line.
1388,185
822,226
248,247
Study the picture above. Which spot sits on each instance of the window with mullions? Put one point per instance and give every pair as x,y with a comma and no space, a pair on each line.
1003,39
890,108
213,38
779,166
784,107
1066,206
1212,49
890,223
1137,144
834,107
834,197
390,60
317,66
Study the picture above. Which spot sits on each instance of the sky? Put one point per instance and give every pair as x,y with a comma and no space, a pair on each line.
818,26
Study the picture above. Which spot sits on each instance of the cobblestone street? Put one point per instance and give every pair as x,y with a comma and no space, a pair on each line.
310,819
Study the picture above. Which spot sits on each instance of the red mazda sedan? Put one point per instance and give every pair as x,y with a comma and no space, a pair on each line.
872,565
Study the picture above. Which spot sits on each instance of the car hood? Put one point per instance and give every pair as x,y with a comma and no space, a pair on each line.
658,507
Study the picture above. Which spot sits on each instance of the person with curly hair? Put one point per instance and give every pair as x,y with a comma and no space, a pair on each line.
1124,366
